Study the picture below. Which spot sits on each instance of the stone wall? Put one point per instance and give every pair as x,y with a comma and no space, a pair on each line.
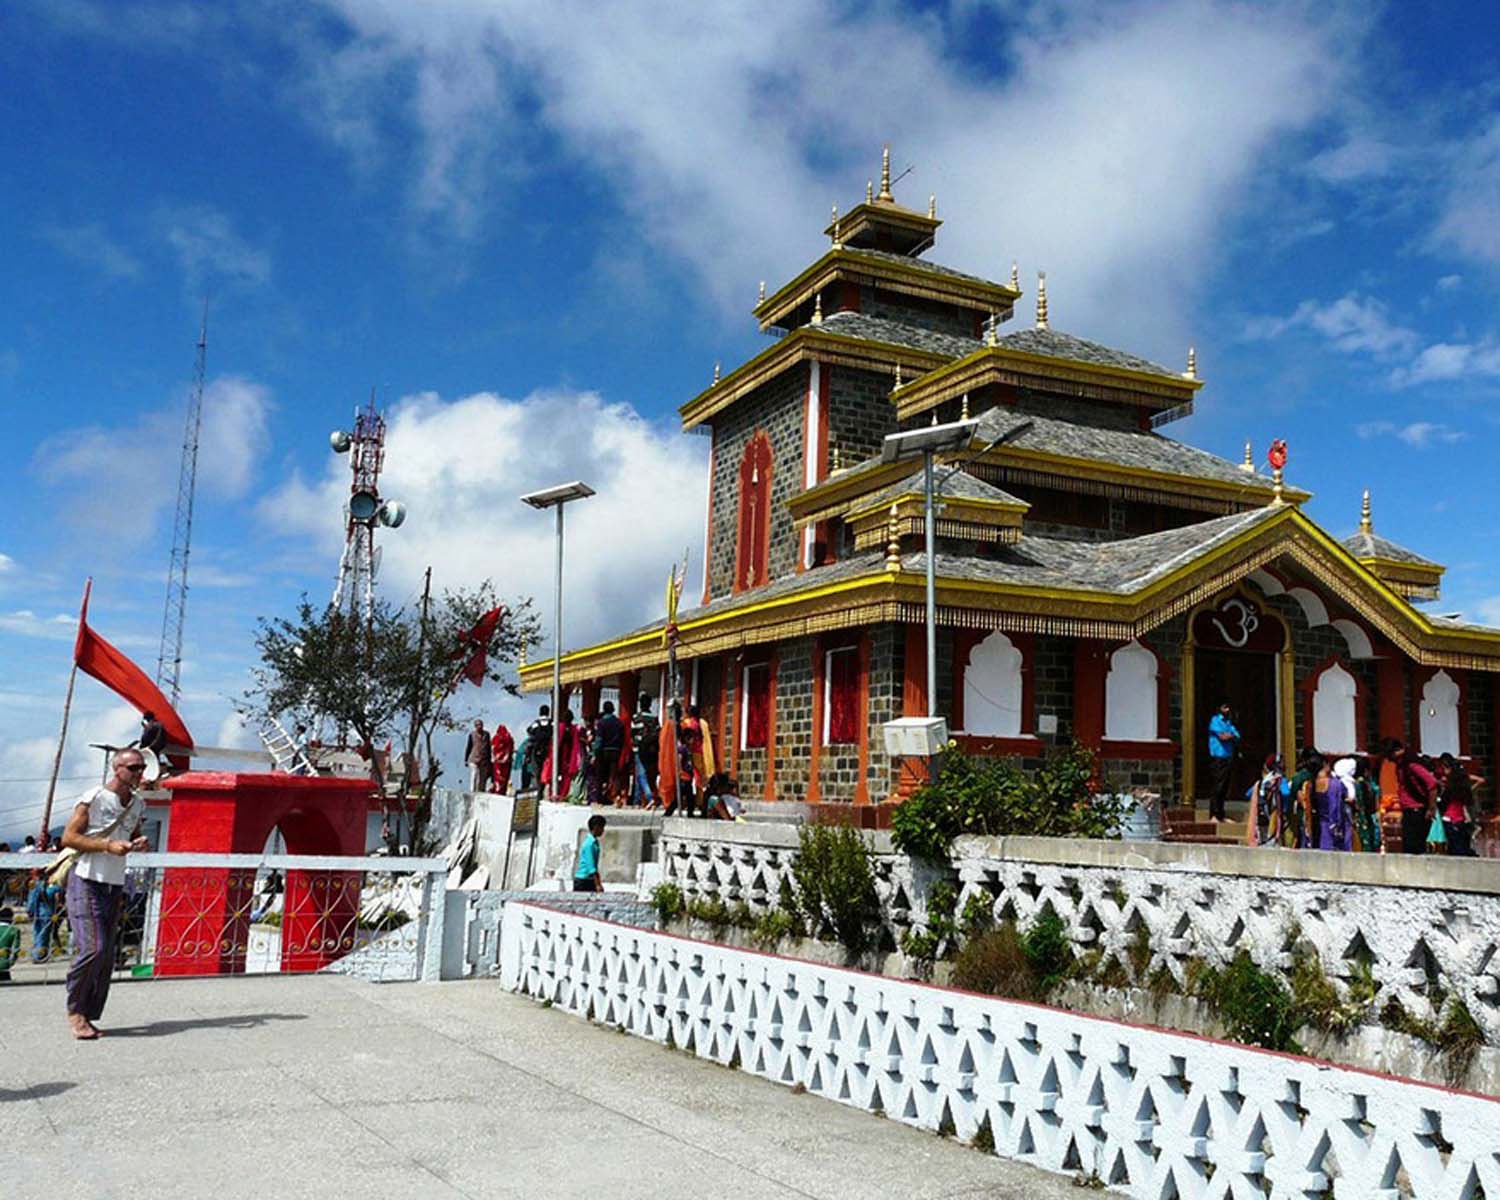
793,717
892,306
860,412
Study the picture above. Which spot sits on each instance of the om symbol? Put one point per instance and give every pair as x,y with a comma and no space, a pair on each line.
1246,622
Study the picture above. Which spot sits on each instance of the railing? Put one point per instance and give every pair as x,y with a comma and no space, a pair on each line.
253,914
1147,1112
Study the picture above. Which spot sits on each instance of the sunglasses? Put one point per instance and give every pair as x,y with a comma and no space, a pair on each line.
135,767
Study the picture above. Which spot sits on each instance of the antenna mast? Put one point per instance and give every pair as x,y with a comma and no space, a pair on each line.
169,657
365,444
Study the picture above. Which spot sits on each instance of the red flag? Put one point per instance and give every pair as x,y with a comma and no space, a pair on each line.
475,643
95,656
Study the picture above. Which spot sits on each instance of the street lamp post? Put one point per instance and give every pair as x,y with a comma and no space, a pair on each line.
927,442
557,497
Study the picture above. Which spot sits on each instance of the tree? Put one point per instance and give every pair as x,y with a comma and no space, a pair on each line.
392,677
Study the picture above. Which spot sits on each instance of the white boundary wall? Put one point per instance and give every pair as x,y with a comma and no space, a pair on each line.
1154,1114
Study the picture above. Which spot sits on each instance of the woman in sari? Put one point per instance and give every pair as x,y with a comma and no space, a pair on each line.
569,754
502,754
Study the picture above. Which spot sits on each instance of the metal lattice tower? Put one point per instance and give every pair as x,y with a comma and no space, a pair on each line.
174,615
355,589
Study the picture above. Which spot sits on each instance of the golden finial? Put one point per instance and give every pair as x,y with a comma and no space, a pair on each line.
762,291
523,654
1276,496
1015,276
963,409
838,464
1041,299
716,373
934,418
869,191
885,176
893,542
837,245
1248,466
1192,371
932,207
992,330
898,375
817,317
1366,524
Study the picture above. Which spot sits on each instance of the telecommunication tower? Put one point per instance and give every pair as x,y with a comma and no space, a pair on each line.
169,656
365,444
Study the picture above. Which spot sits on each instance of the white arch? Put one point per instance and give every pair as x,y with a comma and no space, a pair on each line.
1335,727
1130,695
1438,722
992,688
1313,607
1355,638
1266,582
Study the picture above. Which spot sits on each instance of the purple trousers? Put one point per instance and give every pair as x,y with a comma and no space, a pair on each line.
94,913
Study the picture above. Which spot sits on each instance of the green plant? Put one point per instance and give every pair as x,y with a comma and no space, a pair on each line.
773,925
1112,973
1254,1005
984,1136
741,916
978,915
996,964
1457,1037
667,899
1048,949
836,884
994,796
1316,1000
1139,953
921,946
712,912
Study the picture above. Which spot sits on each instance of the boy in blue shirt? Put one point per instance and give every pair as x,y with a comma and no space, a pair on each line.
586,874
1223,745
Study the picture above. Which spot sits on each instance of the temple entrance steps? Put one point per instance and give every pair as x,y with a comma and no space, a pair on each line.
1186,824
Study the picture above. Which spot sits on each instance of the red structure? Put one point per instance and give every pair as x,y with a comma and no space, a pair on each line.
205,912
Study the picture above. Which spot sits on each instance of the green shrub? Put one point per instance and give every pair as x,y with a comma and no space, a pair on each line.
1254,1005
921,946
978,916
712,912
836,884
1316,1000
772,926
666,898
1048,949
996,964
994,796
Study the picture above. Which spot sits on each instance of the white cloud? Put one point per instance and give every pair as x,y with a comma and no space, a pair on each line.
461,466
26,623
1353,323
1469,221
1417,434
210,251
1361,157
233,439
1450,283
1444,361
91,245
726,133
26,765
1487,611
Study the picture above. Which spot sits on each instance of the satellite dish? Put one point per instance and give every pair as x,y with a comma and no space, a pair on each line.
153,766
363,506
340,441
392,513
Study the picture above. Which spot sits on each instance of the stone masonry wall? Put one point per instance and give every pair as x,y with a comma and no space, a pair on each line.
860,412
887,651
893,306
793,717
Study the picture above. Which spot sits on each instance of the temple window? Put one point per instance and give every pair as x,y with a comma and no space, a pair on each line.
841,696
755,711
752,541
1130,695
1335,727
1439,717
992,688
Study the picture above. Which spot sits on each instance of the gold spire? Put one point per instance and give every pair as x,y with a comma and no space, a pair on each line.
885,176
817,317
1276,496
1041,299
898,375
934,418
1248,466
932,207
837,245
1015,276
992,330
869,191
837,460
716,372
963,411
1366,525
762,291
1192,370
523,653
893,542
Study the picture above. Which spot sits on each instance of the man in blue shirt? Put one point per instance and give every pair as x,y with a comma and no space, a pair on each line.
1223,745
586,874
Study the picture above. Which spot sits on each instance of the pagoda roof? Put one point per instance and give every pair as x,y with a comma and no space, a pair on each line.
1110,590
1369,544
897,333
1053,343
952,484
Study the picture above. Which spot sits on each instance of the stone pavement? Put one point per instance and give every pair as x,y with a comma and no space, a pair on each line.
323,1086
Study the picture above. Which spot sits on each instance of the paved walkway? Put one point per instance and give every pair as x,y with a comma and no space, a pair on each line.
320,1086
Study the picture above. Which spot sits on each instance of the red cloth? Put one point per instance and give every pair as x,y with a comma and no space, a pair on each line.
475,643
502,752
758,707
95,656
666,764
570,752
843,697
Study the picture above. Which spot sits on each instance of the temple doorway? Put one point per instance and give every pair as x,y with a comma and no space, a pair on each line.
1247,679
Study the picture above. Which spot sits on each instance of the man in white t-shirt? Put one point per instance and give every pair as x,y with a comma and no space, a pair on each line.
104,828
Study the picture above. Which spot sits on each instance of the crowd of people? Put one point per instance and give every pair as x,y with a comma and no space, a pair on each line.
1345,803
646,763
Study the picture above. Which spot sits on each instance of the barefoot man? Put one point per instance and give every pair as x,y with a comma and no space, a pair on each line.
96,888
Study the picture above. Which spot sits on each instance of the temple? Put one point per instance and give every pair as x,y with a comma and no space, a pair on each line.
1096,579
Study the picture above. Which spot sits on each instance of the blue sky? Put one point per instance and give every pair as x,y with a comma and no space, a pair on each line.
534,228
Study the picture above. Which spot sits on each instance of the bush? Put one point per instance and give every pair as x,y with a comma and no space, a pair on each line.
836,884
666,898
1048,949
994,796
772,926
1254,1005
996,964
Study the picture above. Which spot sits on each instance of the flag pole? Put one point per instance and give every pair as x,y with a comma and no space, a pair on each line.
62,736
